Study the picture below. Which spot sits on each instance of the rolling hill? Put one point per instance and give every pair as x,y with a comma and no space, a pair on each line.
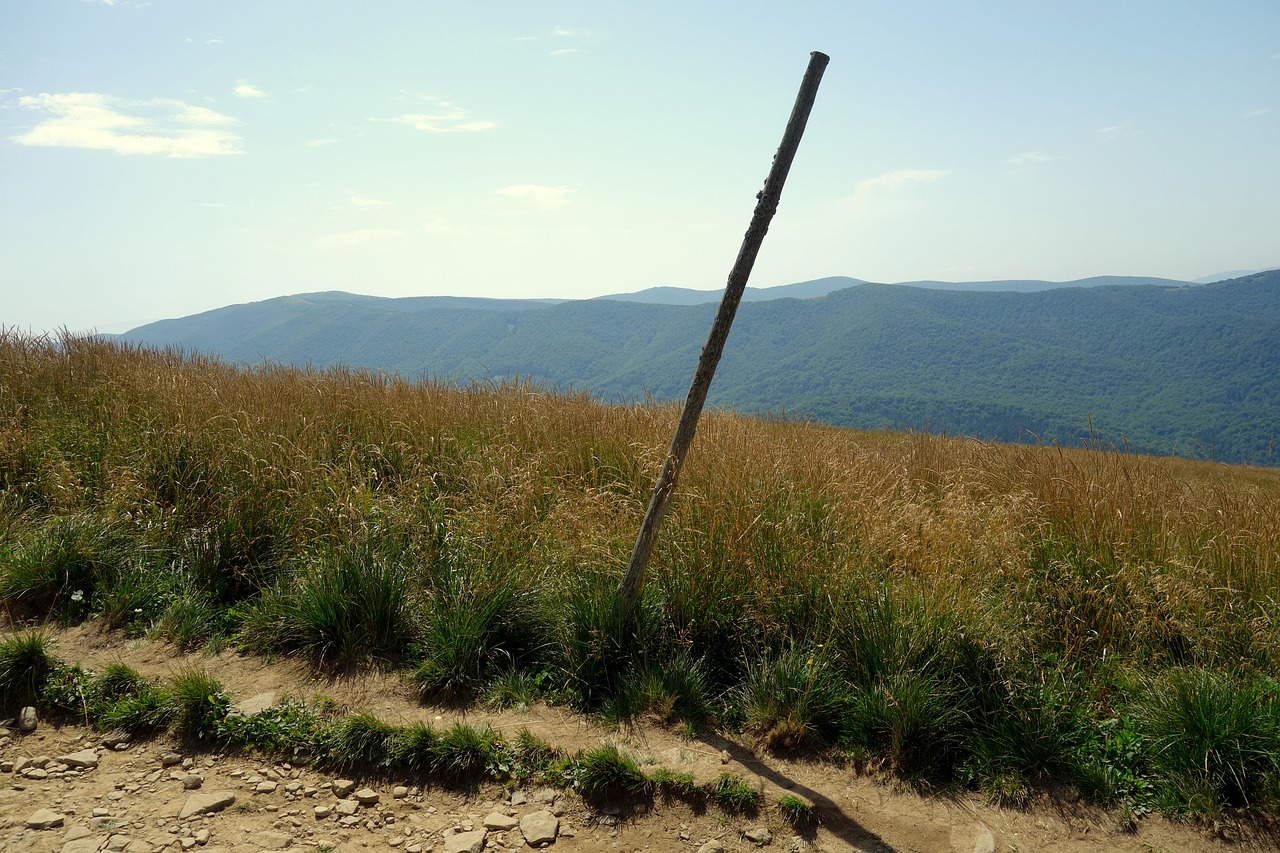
1154,366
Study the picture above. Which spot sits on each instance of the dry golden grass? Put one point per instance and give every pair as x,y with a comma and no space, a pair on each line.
1136,553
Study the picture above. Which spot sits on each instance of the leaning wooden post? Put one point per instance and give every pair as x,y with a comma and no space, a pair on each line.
766,206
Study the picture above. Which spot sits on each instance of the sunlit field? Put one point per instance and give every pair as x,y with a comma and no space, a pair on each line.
994,616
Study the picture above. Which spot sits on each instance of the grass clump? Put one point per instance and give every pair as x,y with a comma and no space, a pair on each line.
59,567
198,704
1214,739
359,739
606,770
145,711
797,811
734,795
480,612
353,604
793,700
26,662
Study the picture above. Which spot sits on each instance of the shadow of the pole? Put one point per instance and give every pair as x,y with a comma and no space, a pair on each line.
831,816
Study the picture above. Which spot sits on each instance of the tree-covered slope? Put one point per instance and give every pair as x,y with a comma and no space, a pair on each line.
1165,369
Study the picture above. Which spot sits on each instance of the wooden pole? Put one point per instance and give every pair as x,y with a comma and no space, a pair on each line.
766,206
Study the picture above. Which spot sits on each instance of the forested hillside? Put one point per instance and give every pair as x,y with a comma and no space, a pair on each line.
1192,371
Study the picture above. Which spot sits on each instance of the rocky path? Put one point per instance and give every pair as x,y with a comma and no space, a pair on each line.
70,790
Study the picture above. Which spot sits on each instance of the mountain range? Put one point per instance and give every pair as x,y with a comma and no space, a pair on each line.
1150,365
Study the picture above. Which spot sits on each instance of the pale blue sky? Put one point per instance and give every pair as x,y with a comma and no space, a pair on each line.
167,157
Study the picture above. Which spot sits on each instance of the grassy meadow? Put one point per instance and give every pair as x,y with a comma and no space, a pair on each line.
1007,618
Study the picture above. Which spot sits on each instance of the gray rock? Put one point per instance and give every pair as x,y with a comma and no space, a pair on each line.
342,787
169,759
115,738
255,704
464,842
500,822
28,719
346,808
45,819
206,803
366,797
758,835
191,781
399,792
84,844
266,786
539,828
974,838
270,840
82,759
712,846
75,832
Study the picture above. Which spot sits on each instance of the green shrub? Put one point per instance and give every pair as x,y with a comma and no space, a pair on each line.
287,727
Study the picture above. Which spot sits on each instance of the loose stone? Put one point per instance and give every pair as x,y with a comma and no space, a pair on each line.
206,803
28,719
539,828
44,819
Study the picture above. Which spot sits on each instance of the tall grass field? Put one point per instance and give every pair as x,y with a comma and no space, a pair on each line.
1007,618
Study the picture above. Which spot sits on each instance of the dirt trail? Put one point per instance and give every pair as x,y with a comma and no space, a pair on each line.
132,801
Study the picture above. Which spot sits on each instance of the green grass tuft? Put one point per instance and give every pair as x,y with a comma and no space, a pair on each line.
26,661
798,812
607,770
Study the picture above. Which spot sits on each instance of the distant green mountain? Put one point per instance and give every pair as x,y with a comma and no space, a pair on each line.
1161,368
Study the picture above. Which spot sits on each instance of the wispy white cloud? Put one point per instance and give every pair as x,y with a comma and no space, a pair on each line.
562,51
1029,158
360,237
1256,113
163,126
1118,131
893,182
248,90
538,195
364,201
444,118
